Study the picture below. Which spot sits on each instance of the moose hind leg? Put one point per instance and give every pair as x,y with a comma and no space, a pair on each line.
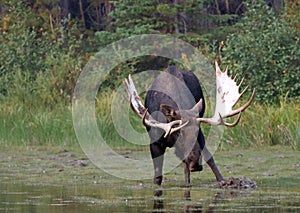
187,172
157,154
195,159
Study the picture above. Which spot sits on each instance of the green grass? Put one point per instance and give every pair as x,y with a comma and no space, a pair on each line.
261,125
23,126
267,125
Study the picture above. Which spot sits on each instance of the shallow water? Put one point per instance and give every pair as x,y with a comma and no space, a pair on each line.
145,198
51,180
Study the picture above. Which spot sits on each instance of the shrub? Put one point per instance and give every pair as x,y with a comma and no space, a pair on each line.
266,51
37,67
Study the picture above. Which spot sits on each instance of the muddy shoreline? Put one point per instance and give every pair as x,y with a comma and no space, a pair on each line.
61,179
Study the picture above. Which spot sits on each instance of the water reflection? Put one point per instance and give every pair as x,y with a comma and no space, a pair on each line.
191,207
137,198
196,206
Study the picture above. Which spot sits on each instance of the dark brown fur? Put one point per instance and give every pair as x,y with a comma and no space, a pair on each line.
171,96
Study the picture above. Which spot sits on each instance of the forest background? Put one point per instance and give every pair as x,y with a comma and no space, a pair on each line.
45,45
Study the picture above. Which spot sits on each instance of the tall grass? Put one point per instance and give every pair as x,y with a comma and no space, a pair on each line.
261,125
106,124
24,126
30,123
266,124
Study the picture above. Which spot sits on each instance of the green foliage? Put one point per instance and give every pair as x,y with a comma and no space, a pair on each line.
40,62
292,14
266,51
133,17
129,19
37,68
20,46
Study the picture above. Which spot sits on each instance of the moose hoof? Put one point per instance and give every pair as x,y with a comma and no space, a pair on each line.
157,180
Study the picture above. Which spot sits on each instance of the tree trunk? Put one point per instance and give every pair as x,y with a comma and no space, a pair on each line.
64,8
217,7
176,20
278,5
227,6
81,12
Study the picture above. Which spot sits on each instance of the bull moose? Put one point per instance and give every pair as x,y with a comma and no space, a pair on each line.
174,108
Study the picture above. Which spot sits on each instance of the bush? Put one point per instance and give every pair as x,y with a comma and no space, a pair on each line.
37,68
266,51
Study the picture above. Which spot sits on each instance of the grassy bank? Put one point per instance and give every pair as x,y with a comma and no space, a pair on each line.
53,166
261,125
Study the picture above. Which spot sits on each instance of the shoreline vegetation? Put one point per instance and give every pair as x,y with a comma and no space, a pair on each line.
261,125
41,60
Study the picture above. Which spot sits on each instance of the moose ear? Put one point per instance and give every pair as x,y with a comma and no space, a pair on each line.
167,110
198,107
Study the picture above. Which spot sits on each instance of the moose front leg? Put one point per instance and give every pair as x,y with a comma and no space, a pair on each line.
207,156
157,154
214,168
211,163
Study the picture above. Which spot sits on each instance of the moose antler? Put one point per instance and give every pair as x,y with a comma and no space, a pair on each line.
141,111
227,97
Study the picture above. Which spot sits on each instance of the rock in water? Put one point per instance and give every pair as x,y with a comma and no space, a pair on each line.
236,183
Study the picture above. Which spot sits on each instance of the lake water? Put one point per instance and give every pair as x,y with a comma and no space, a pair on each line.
145,198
